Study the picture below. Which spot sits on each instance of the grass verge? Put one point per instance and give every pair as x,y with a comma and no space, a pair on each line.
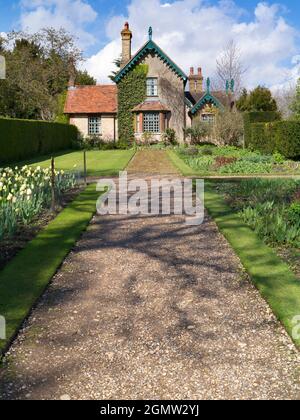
274,279
24,279
180,164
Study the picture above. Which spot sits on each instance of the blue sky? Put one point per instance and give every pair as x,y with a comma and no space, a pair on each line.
193,32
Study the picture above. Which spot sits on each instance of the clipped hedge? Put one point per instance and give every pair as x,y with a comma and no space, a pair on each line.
257,117
23,139
279,136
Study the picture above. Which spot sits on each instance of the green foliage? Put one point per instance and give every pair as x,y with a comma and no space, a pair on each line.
280,136
257,117
169,137
229,160
266,206
24,193
294,213
39,67
61,117
242,102
84,79
198,133
275,280
295,105
260,99
24,279
131,92
22,139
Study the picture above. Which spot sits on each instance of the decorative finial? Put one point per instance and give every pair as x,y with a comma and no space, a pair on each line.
232,84
150,33
227,87
208,85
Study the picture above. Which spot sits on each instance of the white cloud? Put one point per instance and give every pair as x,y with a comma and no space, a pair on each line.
73,15
193,33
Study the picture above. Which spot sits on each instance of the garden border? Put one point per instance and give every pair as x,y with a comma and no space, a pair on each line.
186,170
26,276
274,279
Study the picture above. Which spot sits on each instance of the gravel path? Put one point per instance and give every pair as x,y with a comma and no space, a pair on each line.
149,308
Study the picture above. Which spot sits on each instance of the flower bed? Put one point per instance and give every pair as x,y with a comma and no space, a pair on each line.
270,207
224,161
25,192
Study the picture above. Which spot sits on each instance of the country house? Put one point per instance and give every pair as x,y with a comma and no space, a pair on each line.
172,99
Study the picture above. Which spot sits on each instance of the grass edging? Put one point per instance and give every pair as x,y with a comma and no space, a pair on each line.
25,277
274,279
180,164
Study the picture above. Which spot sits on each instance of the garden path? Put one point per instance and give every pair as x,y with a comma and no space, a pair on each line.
149,308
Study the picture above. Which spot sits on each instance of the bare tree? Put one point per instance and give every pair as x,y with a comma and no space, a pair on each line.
230,67
284,98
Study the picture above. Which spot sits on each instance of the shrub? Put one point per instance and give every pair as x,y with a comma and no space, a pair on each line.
228,128
278,137
198,133
169,137
257,117
23,139
207,151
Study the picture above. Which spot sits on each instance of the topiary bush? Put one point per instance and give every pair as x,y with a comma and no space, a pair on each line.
23,139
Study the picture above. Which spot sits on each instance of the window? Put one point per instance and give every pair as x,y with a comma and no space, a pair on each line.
152,89
209,118
94,126
151,122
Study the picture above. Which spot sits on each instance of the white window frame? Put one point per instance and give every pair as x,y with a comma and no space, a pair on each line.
95,126
208,118
151,122
152,86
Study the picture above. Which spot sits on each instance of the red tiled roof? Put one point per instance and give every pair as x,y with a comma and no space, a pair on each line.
151,106
100,99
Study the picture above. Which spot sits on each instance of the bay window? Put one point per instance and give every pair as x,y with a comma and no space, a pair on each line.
151,122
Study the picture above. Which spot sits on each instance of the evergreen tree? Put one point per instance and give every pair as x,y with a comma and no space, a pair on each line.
260,99
295,106
242,102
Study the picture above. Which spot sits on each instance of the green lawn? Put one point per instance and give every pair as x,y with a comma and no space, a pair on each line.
275,280
24,278
99,163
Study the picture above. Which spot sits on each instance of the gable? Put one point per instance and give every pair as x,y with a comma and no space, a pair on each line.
206,99
150,48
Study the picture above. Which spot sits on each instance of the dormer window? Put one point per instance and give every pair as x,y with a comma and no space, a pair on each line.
152,89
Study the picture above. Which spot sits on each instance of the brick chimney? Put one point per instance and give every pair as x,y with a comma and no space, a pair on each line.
196,80
126,44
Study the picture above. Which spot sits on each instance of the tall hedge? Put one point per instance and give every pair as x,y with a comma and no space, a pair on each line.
23,139
131,92
279,136
257,117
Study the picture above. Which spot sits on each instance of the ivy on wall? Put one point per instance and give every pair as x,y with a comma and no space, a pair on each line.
131,92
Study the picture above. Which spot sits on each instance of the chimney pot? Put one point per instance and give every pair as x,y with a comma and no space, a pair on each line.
199,71
191,71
